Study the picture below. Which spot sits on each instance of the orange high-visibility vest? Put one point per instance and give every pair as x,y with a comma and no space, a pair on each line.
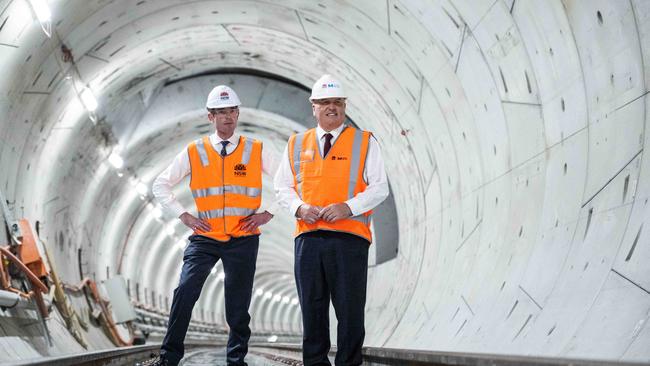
334,178
226,189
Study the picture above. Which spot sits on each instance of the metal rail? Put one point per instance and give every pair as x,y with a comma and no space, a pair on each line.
403,357
290,354
115,356
96,358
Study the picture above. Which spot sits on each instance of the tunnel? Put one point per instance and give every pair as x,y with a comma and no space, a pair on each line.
512,131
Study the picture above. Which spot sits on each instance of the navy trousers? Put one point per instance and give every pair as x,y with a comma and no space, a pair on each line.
238,256
331,265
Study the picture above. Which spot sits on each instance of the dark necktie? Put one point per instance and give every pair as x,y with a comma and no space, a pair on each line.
223,148
328,143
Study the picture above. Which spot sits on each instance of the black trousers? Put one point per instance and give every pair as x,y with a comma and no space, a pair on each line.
239,256
331,265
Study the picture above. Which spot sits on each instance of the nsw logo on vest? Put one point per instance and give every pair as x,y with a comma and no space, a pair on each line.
339,157
240,170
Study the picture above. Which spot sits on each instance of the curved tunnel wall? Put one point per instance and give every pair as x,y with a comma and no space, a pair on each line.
513,134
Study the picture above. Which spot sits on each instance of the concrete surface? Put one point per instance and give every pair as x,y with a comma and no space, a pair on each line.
513,133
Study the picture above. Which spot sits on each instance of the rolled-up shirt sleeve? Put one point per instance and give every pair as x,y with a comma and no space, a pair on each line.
171,176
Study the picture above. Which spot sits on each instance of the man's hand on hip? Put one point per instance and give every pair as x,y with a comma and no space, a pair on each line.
308,213
252,222
335,212
194,223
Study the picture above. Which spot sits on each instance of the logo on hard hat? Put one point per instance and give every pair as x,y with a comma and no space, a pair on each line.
224,96
330,85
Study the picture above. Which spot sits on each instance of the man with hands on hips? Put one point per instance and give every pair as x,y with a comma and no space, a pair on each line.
330,178
226,183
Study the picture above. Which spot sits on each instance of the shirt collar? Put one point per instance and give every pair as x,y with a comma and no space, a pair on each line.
335,132
234,139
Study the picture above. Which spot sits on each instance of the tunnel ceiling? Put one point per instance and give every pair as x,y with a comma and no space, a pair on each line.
513,134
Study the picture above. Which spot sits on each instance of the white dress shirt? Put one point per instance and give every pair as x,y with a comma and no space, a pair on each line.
180,168
374,174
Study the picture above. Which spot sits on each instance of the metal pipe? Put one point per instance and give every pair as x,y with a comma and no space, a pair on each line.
11,299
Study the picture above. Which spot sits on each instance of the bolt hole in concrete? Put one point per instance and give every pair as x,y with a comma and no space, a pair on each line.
600,17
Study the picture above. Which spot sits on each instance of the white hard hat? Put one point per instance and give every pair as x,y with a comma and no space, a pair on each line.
222,96
327,87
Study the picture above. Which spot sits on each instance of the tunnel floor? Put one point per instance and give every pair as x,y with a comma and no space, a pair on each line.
217,357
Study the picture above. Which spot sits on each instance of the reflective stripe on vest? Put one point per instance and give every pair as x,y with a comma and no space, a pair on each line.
296,162
217,191
356,161
248,147
200,147
229,211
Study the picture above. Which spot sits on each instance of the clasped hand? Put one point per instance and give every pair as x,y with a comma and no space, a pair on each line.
330,213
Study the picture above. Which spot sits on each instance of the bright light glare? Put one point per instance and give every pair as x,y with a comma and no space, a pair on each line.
141,188
170,229
42,10
181,244
21,11
88,99
116,160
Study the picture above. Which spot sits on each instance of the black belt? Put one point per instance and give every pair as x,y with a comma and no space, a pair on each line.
329,234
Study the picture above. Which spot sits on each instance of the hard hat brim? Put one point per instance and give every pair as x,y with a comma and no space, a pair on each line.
221,106
329,97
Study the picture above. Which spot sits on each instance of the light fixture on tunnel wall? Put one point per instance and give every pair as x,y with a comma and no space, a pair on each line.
42,11
294,301
286,299
272,339
268,295
259,292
